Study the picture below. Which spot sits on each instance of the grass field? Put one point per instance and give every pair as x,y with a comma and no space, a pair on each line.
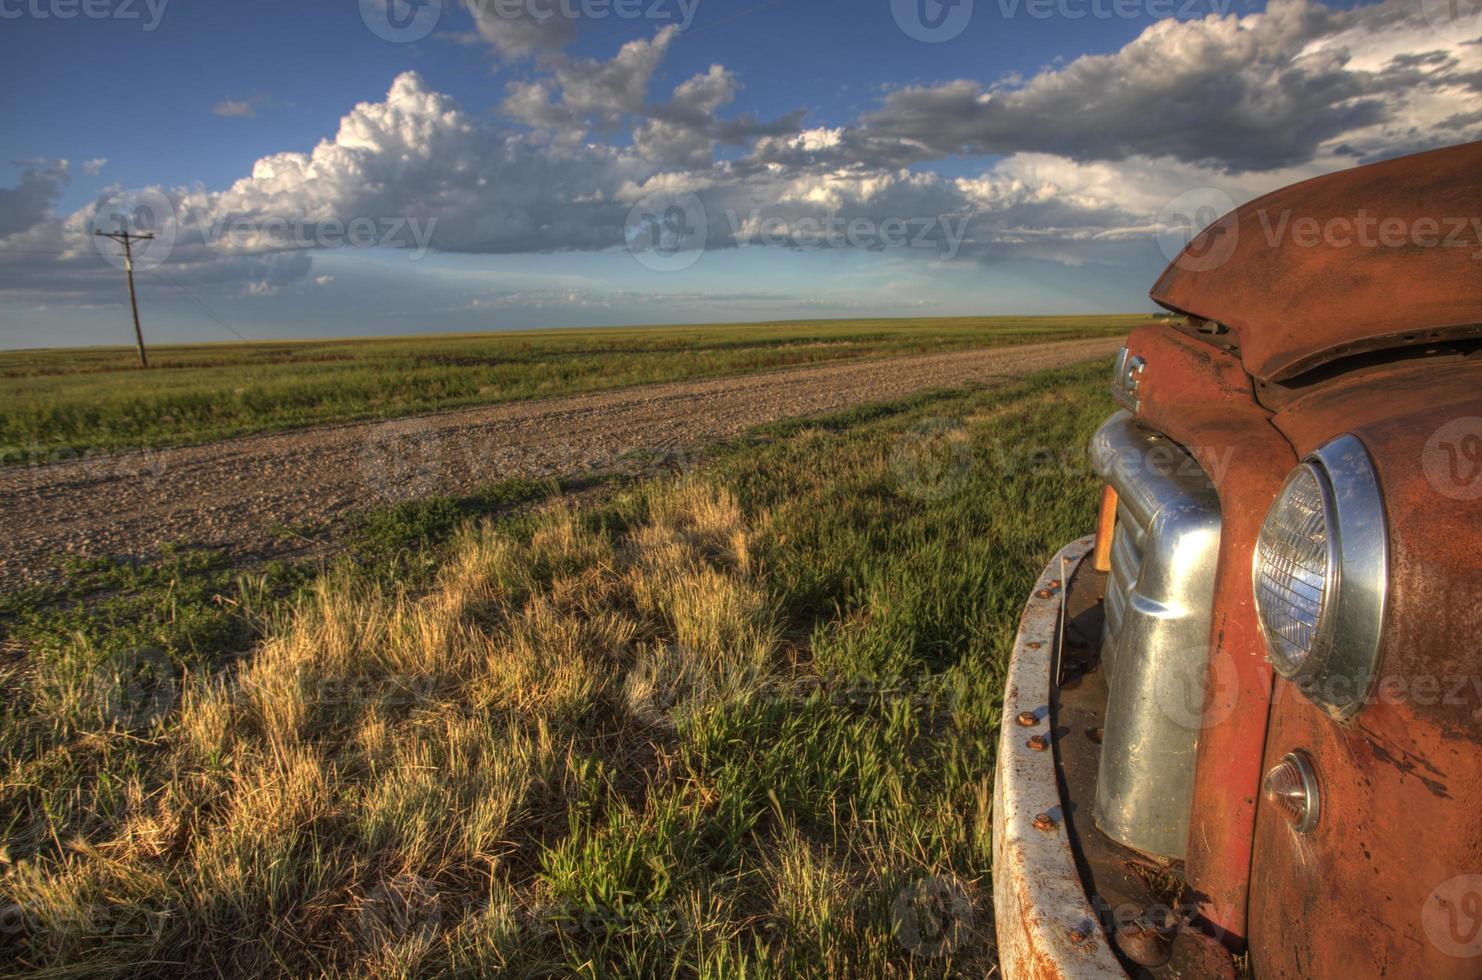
56,403
738,722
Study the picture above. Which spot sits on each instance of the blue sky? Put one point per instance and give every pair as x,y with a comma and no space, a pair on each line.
1031,159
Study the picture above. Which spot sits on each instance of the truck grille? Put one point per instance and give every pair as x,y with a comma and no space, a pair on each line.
1156,641
1126,559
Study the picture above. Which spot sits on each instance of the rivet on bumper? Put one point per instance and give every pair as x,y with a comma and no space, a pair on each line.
1038,743
1045,822
1027,719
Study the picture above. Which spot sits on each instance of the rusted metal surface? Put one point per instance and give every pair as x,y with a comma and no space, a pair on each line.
1144,944
1443,387
1375,257
1199,396
1200,957
1388,882
1046,925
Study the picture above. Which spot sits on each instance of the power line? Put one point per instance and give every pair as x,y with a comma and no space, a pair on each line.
170,281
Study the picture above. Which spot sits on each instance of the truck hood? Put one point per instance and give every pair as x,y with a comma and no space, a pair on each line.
1380,256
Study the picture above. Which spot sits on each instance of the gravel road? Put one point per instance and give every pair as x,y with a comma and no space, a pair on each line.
241,493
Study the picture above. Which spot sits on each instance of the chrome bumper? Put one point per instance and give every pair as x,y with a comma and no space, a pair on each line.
1046,924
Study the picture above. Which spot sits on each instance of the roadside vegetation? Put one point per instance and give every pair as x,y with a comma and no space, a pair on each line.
55,404
736,722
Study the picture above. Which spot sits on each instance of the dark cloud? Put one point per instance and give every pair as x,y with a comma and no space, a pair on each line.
30,201
1234,93
572,97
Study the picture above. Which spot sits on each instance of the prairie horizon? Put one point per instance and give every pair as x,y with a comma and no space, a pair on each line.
70,401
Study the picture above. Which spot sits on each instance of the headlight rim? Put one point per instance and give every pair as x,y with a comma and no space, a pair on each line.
1342,665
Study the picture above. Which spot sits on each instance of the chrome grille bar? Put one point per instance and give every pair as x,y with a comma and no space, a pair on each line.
1155,646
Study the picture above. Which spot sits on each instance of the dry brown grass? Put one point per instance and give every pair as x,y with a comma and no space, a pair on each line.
377,743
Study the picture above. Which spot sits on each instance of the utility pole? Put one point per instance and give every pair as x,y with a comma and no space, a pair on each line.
126,238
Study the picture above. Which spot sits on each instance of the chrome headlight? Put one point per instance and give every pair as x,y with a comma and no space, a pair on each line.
1321,575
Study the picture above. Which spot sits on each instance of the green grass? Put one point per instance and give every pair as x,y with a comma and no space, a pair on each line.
59,403
733,723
